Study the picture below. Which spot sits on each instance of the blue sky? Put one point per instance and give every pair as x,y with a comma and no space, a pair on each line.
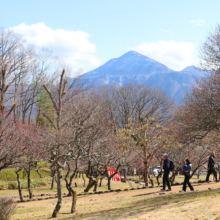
87,33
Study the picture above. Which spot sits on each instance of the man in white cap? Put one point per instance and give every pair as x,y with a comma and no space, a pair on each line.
166,168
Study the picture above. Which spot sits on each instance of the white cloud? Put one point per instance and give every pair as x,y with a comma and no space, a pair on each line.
166,31
175,55
72,47
198,22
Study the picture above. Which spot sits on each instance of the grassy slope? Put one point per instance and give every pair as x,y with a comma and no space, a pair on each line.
114,207
197,205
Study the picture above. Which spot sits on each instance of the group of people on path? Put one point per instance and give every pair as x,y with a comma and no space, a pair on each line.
168,166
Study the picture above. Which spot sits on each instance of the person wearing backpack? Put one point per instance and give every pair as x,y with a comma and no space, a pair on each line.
166,168
186,169
211,169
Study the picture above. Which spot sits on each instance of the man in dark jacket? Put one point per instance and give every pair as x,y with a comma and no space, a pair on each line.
166,168
211,169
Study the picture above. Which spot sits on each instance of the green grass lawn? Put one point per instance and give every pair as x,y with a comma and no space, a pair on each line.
80,188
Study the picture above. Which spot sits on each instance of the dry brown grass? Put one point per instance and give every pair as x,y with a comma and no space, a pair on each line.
174,206
197,205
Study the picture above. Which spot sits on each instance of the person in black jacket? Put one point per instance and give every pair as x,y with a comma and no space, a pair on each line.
166,168
186,169
211,169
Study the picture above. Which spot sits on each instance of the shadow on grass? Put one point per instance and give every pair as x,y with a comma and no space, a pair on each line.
144,206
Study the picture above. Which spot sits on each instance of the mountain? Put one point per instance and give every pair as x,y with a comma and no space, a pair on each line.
192,69
137,68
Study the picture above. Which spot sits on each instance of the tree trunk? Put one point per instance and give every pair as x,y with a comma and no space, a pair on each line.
84,185
125,176
151,180
146,169
70,190
76,174
29,184
95,187
146,177
73,208
172,178
109,183
52,183
89,185
69,185
146,173
159,175
39,173
59,193
19,187
110,177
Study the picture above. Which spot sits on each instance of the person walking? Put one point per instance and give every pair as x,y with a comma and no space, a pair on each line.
186,169
166,168
211,167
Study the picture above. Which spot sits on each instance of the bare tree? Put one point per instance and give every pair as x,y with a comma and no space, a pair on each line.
200,112
27,90
33,153
133,102
16,59
210,51
70,122
149,137
11,142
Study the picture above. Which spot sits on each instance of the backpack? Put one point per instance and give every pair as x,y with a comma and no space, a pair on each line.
185,167
172,165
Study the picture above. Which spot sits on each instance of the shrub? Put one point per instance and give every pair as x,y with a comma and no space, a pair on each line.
3,185
7,208
39,182
12,185
10,175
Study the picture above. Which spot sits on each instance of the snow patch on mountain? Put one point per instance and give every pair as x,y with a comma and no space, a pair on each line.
137,68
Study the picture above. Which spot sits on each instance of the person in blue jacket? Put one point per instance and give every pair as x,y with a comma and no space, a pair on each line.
186,169
166,168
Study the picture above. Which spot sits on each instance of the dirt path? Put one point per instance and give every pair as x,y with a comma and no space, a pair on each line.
124,194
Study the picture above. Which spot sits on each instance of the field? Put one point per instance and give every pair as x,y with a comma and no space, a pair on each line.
132,204
45,188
